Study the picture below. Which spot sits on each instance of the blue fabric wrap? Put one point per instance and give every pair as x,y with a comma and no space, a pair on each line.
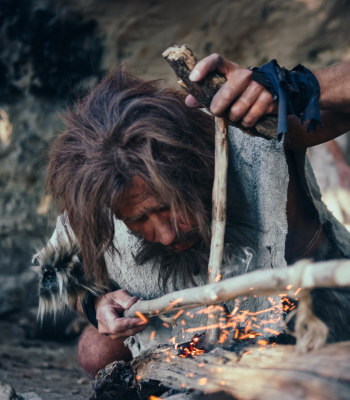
297,91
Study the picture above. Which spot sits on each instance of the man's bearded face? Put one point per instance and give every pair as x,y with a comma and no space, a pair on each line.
148,218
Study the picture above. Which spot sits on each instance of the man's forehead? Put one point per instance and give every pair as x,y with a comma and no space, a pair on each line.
138,197
138,191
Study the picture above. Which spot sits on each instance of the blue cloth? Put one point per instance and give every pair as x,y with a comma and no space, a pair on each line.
297,92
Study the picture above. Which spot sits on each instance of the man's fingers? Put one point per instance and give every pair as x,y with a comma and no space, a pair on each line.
211,63
260,108
245,101
122,299
238,81
190,101
126,334
223,98
119,325
124,324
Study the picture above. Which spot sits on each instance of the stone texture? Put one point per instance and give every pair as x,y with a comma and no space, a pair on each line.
30,396
49,55
17,291
7,392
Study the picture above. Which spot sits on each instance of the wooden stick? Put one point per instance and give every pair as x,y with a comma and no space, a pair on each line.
182,60
303,275
218,200
218,220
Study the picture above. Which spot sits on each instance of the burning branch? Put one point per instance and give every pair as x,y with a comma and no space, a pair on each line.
304,275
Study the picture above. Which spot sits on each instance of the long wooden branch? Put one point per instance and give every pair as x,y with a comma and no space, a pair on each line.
303,275
218,218
260,373
182,60
218,200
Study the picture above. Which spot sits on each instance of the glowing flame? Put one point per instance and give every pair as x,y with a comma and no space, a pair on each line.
190,349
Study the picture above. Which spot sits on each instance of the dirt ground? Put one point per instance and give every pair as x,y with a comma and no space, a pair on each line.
47,368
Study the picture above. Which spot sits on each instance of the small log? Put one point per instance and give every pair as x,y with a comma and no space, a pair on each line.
261,373
182,60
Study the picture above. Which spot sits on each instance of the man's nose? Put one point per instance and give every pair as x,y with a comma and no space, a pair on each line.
163,231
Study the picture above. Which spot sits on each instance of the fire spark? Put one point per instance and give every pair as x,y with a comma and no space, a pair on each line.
193,348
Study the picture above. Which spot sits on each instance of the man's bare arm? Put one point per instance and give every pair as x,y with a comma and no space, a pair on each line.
334,84
334,124
334,102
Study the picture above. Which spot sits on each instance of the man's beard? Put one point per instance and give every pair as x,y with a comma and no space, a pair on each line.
184,268
179,267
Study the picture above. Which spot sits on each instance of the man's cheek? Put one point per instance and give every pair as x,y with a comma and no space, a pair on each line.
186,226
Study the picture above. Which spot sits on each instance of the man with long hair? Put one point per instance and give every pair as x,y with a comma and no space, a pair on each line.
132,176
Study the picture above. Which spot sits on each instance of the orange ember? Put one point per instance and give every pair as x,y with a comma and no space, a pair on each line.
238,326
192,348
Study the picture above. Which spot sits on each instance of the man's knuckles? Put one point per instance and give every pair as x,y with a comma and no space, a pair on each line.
255,113
127,333
207,64
222,100
122,324
122,298
238,110
213,62
121,327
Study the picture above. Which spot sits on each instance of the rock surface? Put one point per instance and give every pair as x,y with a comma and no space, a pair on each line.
7,392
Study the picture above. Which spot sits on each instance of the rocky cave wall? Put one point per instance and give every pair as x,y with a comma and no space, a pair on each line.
51,52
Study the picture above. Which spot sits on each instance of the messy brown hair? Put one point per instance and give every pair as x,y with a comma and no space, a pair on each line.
123,128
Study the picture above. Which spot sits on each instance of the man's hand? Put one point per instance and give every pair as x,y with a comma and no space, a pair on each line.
244,99
109,309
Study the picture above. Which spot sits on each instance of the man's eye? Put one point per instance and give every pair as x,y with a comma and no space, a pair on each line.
143,218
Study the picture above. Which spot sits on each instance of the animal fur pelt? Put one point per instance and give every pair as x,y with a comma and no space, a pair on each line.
61,278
